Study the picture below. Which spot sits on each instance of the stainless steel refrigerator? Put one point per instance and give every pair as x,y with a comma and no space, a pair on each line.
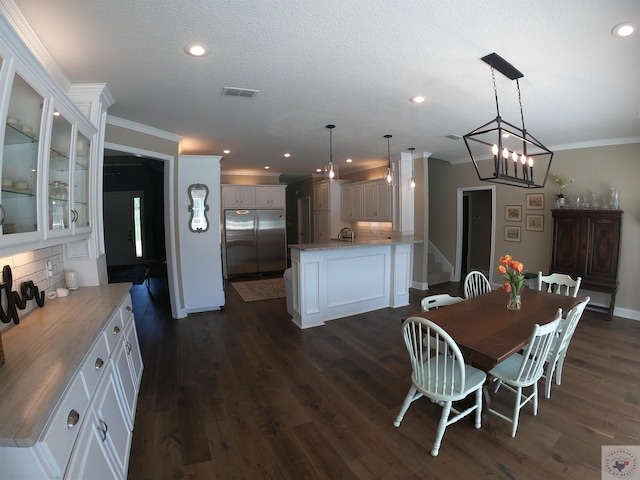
255,241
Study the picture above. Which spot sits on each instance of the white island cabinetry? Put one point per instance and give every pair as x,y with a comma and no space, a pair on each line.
69,388
339,279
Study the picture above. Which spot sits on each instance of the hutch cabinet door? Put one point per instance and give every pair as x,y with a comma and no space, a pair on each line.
602,250
567,248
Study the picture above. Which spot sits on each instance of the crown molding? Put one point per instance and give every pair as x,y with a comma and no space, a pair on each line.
19,24
138,127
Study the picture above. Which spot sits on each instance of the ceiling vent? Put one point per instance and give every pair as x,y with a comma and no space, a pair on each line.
454,136
239,92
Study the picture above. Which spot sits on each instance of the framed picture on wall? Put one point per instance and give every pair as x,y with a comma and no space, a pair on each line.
535,223
513,213
535,201
512,233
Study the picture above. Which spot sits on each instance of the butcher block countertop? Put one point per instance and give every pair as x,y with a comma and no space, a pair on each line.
42,354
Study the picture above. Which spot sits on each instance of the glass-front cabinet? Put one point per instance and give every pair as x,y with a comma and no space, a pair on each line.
22,130
82,154
44,163
59,173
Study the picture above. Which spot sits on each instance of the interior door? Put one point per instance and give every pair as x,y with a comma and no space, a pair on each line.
119,228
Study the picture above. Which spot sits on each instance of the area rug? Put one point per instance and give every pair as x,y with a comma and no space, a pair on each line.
255,290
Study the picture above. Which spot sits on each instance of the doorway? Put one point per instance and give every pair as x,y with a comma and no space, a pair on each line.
304,219
476,226
161,216
123,233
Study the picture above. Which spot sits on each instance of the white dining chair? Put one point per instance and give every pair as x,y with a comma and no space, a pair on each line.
523,370
559,283
438,300
439,373
564,333
475,283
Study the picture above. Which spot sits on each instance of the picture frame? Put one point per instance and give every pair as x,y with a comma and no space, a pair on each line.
512,233
535,201
535,223
513,213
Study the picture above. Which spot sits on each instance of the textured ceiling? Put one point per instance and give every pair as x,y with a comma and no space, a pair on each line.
352,63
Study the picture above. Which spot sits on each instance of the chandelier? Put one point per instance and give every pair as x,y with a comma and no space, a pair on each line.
519,159
331,170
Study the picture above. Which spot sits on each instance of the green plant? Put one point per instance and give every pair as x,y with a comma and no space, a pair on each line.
562,184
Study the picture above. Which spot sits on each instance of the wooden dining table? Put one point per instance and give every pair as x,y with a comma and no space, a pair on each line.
487,332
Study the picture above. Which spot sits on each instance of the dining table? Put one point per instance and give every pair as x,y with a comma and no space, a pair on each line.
487,332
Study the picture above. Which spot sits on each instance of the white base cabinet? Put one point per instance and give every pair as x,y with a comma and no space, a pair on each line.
337,280
91,340
105,438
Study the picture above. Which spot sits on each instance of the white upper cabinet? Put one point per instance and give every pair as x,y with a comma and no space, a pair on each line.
238,196
81,158
250,196
59,173
351,202
46,158
270,196
22,112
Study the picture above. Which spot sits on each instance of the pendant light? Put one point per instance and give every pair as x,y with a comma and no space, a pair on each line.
412,182
388,174
512,149
331,170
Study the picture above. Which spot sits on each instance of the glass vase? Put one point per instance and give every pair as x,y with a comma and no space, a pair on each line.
515,302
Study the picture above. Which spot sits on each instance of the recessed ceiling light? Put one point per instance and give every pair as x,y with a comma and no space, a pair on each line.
318,170
266,167
417,99
286,155
623,29
226,151
349,160
196,49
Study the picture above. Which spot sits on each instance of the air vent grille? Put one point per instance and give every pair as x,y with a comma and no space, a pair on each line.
239,92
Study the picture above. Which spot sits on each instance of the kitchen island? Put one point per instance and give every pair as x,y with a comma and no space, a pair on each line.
340,278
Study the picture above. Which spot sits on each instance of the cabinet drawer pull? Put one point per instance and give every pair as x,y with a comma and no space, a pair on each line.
72,419
128,308
116,330
99,363
2,215
103,428
128,348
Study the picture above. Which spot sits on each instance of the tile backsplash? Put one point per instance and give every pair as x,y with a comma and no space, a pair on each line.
372,230
32,265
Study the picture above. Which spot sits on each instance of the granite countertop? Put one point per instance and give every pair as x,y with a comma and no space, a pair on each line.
342,244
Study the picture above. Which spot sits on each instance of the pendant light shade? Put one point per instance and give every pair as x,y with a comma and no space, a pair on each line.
514,150
412,181
388,174
331,170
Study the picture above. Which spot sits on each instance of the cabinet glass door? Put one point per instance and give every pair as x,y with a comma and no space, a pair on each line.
59,154
19,206
80,212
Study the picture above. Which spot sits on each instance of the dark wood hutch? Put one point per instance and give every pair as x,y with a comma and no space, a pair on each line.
586,243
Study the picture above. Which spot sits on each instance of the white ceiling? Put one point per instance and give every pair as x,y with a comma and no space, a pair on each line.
352,63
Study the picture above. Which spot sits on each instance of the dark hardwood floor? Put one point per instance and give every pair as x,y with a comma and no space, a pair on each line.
244,394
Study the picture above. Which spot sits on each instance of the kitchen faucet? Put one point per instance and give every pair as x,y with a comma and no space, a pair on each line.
344,230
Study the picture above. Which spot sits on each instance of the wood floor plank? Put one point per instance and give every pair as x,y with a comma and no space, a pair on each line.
242,393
